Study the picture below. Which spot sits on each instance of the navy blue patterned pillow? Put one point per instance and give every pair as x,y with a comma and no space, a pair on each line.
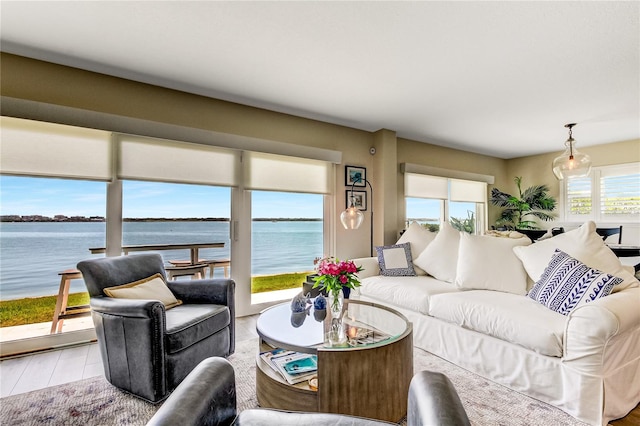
396,260
567,283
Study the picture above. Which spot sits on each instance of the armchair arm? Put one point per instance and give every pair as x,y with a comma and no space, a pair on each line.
433,400
136,329
207,396
220,291
133,308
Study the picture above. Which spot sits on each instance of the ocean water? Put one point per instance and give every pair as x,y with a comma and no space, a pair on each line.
32,254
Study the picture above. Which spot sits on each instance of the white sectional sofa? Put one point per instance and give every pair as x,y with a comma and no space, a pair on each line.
469,305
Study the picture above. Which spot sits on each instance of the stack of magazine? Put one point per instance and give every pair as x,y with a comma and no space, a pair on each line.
295,367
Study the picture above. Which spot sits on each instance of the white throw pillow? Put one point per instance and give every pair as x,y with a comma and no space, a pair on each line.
151,288
488,263
395,260
440,258
567,284
419,237
583,244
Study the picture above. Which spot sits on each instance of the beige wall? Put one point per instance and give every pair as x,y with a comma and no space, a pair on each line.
437,156
536,169
34,80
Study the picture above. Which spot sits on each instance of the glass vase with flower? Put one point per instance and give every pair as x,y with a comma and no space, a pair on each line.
333,276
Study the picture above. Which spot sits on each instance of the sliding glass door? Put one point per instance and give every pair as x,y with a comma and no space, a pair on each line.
286,237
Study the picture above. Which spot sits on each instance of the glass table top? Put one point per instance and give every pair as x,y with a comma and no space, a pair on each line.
362,324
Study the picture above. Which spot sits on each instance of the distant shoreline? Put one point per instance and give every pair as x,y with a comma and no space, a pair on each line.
83,219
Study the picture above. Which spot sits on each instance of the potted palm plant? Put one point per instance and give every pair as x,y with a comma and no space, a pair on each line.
520,211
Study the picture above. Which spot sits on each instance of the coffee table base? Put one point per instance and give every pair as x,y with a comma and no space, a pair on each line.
368,382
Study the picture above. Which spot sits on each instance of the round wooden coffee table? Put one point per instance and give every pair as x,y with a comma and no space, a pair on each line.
367,376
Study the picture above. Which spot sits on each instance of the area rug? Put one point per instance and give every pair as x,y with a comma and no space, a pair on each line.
95,402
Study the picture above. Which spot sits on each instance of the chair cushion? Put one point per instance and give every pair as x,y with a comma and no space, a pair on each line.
150,288
189,324
261,417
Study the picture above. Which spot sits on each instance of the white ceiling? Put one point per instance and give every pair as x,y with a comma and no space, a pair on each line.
499,78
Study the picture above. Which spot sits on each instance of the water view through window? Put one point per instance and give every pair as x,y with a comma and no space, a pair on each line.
49,225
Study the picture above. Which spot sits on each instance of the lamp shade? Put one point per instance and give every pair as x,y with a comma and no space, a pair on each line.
571,163
351,218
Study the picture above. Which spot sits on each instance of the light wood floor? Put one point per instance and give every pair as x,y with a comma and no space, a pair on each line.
41,370
32,372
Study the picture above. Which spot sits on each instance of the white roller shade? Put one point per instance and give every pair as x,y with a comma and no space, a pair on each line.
288,174
423,186
36,148
171,161
469,191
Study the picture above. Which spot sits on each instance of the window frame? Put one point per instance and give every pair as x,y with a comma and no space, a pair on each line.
445,214
596,177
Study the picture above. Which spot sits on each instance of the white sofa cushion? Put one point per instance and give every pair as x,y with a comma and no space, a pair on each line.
419,238
407,292
583,244
488,263
567,284
509,317
440,258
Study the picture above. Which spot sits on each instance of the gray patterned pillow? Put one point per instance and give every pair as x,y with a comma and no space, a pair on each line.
395,260
567,284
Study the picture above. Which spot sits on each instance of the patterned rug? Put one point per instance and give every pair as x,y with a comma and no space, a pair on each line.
95,402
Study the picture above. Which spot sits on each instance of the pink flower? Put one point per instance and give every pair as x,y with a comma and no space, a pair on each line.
334,274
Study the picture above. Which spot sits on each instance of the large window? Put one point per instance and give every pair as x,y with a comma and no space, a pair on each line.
170,213
288,227
47,227
609,194
150,191
432,199
286,236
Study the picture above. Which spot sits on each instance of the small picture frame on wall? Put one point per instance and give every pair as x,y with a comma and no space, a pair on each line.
359,199
355,176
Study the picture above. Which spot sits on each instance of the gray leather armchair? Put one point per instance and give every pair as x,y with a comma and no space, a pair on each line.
145,349
208,397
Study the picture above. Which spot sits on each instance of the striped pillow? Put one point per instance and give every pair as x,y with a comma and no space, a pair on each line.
567,284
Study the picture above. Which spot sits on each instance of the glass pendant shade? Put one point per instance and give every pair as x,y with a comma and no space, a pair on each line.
571,163
351,218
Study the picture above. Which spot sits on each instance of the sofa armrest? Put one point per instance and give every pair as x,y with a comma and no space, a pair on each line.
591,327
207,396
369,266
433,400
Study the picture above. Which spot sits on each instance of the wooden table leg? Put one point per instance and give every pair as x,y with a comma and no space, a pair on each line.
59,302
63,298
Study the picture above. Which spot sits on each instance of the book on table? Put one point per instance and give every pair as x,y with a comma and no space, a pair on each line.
294,367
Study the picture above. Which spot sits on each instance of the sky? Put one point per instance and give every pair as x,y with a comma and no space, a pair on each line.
50,197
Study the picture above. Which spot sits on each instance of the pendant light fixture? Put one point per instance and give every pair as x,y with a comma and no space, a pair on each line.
352,217
571,163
